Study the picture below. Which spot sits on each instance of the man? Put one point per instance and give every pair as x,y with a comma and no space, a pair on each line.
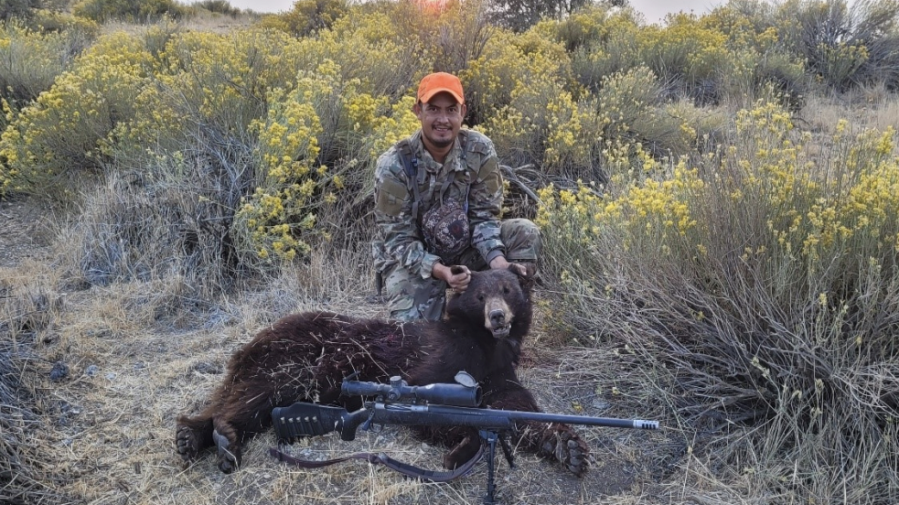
438,198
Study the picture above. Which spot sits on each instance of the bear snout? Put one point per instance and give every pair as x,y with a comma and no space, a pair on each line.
498,317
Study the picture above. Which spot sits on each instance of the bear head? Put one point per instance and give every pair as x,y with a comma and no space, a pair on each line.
496,300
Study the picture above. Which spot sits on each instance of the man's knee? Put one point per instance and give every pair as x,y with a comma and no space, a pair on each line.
430,310
410,298
522,240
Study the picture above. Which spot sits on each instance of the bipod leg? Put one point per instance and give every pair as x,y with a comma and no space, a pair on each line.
491,437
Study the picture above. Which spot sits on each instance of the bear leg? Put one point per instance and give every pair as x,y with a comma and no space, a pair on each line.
229,448
192,435
463,451
463,442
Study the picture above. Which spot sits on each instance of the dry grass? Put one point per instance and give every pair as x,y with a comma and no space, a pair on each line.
869,107
28,306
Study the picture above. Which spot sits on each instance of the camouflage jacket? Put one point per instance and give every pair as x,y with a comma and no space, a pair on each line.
473,168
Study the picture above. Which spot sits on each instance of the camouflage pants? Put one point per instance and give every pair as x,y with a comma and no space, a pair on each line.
410,297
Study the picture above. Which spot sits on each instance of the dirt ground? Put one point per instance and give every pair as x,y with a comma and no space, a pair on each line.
24,231
119,363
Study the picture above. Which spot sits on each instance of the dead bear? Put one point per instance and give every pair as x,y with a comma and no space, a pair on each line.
304,357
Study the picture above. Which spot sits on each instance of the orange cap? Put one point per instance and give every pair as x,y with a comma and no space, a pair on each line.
440,82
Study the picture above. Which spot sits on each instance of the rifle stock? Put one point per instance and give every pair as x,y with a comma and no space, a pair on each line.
308,420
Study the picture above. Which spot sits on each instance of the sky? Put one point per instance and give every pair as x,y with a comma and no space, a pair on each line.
654,10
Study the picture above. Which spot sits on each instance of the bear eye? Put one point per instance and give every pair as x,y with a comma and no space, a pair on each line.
480,298
505,290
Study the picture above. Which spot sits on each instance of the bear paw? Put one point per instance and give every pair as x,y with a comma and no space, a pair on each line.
187,443
567,447
228,453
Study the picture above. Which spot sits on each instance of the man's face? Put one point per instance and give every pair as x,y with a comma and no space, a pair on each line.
441,120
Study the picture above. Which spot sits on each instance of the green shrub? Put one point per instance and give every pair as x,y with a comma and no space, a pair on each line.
308,17
31,60
844,45
448,37
519,15
54,21
22,9
128,10
218,7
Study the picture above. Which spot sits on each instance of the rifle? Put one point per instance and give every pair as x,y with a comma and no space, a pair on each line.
441,404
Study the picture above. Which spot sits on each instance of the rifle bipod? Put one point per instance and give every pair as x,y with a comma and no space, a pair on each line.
491,437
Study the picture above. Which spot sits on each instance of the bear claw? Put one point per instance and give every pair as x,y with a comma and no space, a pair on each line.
570,450
187,444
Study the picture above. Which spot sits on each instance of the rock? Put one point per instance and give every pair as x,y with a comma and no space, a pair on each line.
59,372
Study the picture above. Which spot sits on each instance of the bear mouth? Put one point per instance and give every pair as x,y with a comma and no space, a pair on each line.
502,331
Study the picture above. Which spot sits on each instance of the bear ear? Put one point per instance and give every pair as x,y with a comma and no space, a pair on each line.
525,280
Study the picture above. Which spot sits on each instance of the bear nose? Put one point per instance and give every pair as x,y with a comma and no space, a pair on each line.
497,318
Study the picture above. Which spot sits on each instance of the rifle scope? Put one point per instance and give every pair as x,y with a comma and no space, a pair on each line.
467,393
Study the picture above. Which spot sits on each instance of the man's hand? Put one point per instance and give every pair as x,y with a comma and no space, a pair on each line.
500,262
457,276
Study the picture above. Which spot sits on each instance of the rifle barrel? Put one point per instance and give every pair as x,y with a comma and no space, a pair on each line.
518,415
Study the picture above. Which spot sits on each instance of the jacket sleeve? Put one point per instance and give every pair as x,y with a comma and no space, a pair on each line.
393,216
485,201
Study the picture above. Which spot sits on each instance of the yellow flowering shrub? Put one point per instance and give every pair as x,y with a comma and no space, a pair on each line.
651,218
618,51
511,62
390,129
825,215
757,52
542,125
318,142
776,251
370,47
277,219
839,64
207,89
763,202
602,136
225,78
684,50
632,124
48,20
66,128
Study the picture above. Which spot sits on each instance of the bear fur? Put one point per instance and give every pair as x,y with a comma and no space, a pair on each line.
304,357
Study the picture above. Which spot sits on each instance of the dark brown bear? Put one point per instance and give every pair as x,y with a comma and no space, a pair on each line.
304,357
